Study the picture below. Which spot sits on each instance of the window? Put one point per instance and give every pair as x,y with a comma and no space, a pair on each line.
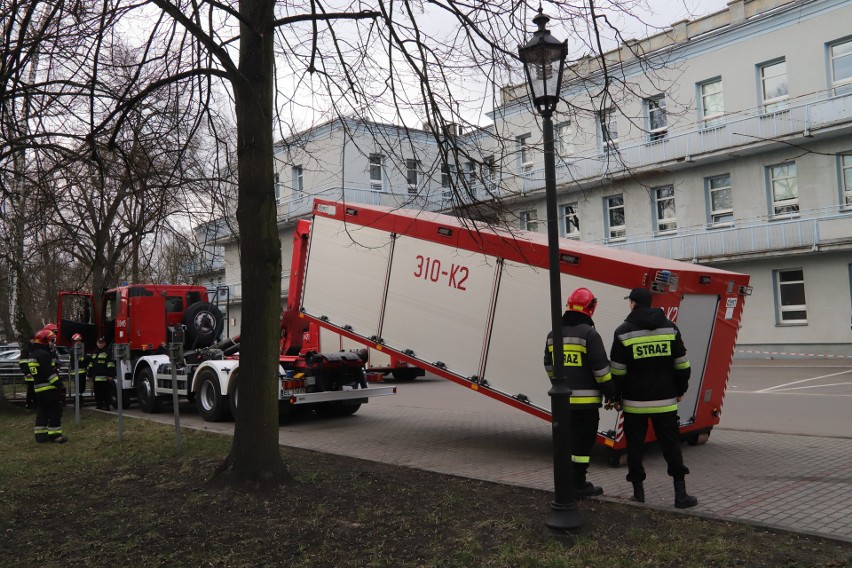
840,58
784,188
470,172
773,86
565,139
615,217
525,152
529,220
664,209
298,179
790,296
412,174
712,102
377,174
489,172
719,199
846,179
608,130
277,187
570,220
655,112
447,172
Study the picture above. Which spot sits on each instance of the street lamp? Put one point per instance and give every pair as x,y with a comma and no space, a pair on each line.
544,60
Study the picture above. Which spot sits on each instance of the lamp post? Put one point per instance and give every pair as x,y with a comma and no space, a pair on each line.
544,60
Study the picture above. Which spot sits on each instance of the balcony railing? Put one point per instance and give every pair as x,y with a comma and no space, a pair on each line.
809,230
802,116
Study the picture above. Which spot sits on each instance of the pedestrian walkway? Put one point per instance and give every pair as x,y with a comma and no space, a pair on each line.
795,483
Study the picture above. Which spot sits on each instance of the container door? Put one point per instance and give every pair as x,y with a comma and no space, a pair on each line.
695,319
146,322
76,314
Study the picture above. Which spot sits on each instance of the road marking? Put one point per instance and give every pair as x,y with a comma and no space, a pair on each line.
818,386
770,389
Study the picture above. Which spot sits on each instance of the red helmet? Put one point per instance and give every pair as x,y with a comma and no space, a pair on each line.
51,327
582,300
76,337
43,336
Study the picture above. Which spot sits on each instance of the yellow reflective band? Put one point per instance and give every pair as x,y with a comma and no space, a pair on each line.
605,378
680,366
650,409
618,372
580,459
584,400
649,339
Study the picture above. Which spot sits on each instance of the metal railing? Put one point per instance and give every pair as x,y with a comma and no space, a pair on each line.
801,116
808,230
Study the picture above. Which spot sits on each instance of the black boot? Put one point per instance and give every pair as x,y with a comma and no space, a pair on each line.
682,499
638,492
586,489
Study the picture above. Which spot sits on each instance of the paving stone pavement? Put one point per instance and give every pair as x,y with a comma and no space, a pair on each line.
790,482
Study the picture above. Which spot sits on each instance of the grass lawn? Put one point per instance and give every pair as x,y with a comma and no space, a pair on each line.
96,502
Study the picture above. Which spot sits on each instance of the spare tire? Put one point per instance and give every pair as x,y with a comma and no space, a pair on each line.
204,323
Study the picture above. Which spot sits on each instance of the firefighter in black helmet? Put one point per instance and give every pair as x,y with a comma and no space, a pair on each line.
102,372
652,371
46,384
587,372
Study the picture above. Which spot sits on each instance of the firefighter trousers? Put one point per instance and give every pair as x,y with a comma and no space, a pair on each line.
584,431
48,422
667,429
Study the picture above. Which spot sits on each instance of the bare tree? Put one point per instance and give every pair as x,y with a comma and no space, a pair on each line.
278,66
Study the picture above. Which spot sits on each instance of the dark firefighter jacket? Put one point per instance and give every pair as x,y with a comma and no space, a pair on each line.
649,362
584,359
101,365
41,366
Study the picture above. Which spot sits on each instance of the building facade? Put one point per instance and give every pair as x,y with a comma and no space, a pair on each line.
725,141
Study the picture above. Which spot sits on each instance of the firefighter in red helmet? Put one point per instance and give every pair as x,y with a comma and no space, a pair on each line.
586,369
46,384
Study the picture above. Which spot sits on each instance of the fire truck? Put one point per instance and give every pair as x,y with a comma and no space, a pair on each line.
149,317
471,304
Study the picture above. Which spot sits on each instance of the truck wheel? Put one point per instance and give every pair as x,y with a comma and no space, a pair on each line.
234,393
212,405
203,323
337,409
405,374
146,393
698,438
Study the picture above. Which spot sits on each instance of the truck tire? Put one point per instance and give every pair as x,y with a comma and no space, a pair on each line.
146,391
337,409
211,403
203,322
234,393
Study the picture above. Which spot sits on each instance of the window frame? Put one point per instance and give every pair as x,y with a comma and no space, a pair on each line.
710,120
447,170
844,173
377,164
528,220
775,103
615,232
656,105
412,166
780,307
568,229
563,133
719,217
776,206
843,87
659,220
525,160
607,126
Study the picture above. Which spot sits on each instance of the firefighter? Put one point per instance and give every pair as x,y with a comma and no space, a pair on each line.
78,353
651,370
102,371
48,423
587,372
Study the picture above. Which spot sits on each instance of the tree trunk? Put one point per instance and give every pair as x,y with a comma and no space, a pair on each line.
255,457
